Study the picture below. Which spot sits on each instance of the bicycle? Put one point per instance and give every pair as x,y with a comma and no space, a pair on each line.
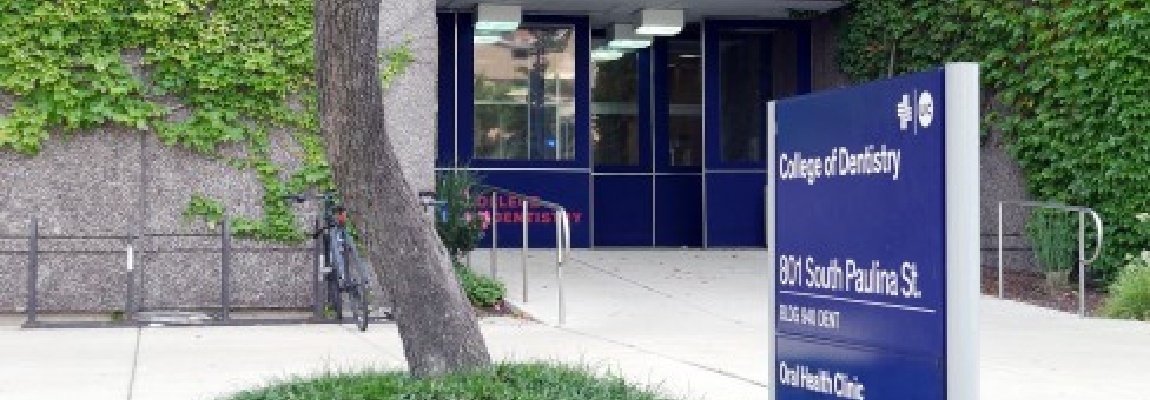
338,249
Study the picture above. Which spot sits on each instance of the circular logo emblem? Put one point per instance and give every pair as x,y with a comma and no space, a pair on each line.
925,109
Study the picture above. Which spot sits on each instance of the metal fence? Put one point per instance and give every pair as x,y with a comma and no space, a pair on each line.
221,313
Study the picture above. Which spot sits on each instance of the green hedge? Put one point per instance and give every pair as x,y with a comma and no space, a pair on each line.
1070,83
503,382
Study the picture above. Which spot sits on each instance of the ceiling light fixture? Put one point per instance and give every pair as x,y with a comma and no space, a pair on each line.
606,54
660,22
623,36
487,37
497,18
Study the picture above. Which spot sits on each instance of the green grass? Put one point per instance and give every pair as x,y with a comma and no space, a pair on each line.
501,382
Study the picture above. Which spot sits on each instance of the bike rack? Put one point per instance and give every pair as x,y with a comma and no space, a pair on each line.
1083,262
227,251
562,239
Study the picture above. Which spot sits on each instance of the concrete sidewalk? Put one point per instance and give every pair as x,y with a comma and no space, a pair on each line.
691,323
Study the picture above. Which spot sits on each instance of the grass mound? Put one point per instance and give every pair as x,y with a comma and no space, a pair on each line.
502,382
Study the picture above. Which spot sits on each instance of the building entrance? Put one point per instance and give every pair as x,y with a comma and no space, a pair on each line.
660,146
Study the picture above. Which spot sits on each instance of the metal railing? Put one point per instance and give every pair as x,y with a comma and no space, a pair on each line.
562,238
226,251
1083,262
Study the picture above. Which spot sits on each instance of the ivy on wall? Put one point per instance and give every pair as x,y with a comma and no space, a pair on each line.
1067,84
214,74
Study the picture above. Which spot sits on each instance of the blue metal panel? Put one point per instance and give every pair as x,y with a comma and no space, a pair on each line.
865,241
466,97
465,88
736,213
445,143
882,375
803,33
623,210
678,207
568,189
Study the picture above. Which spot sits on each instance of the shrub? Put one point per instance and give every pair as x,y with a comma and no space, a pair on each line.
457,223
1054,234
481,290
529,381
1130,292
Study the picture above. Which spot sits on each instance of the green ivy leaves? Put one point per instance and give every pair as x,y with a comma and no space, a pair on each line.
1071,83
233,66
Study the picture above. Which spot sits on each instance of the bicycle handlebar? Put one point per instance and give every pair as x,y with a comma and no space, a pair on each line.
300,198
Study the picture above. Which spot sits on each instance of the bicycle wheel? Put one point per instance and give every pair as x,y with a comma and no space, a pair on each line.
359,306
334,297
358,284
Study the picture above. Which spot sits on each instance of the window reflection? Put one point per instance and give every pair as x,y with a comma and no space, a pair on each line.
685,89
615,113
743,87
524,94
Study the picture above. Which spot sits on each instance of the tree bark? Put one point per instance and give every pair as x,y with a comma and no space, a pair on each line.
437,324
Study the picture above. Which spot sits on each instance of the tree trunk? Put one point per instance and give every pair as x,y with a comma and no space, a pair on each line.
438,327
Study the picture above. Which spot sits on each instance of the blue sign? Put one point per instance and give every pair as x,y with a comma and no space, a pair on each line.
860,242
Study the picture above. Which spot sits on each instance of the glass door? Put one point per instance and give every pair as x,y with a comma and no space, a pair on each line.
748,64
620,141
678,146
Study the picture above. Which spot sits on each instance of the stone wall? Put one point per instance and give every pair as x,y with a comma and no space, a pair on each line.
120,182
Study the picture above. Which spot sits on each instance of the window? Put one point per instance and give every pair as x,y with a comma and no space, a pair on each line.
615,112
525,94
743,88
685,89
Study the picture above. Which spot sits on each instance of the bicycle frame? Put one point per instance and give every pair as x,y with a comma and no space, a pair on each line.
340,251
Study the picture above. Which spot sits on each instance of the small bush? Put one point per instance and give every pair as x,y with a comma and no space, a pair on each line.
501,382
1054,236
457,222
1130,293
481,290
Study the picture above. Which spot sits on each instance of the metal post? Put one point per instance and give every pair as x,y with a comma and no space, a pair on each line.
1000,284
560,215
33,270
226,269
130,273
317,263
523,251
494,235
566,255
1081,263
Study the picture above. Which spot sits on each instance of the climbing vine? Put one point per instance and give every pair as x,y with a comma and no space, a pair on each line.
1067,84
203,75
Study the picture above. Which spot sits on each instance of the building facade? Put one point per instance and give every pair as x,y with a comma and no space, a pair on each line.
648,140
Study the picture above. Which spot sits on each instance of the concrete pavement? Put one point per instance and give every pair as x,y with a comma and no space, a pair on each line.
690,323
